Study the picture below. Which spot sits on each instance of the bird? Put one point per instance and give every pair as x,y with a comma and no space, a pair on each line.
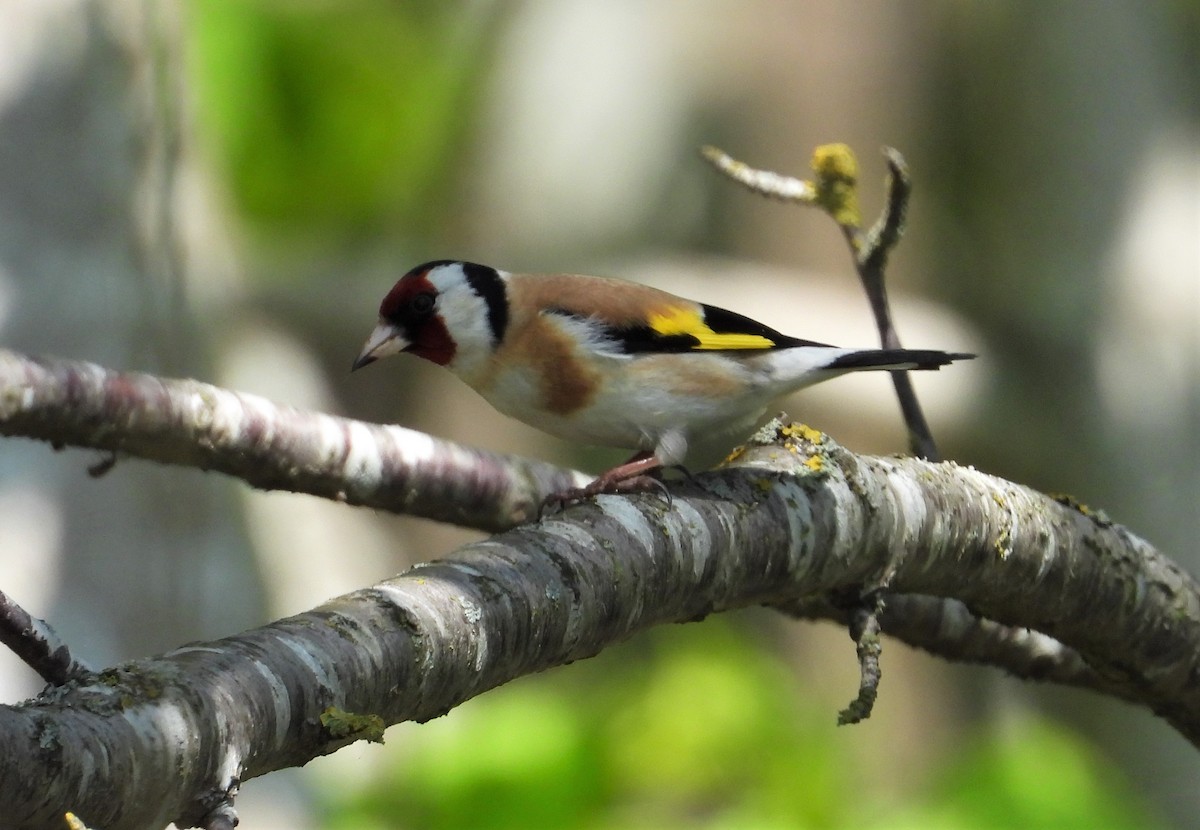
604,361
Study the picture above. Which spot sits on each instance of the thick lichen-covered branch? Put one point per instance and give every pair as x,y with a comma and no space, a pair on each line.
799,517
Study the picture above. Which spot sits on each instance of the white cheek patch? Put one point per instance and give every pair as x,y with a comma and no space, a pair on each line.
465,315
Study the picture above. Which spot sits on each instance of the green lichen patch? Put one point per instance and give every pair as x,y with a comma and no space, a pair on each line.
342,724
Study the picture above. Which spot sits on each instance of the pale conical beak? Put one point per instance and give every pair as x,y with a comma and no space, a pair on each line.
385,340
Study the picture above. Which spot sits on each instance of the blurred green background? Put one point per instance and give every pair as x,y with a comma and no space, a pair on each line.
226,189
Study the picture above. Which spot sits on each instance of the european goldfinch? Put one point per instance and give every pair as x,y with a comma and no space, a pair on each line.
608,362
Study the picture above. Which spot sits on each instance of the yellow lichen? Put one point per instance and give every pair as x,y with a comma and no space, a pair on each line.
802,431
1067,500
1003,548
811,434
1099,517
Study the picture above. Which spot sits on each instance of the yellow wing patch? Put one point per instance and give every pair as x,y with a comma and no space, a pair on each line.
679,320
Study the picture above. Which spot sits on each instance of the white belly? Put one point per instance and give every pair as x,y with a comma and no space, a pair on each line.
647,404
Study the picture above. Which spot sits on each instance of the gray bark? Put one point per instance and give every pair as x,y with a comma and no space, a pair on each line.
798,521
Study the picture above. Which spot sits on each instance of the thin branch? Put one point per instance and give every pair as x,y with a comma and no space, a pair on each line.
762,182
884,235
35,642
270,446
871,256
835,190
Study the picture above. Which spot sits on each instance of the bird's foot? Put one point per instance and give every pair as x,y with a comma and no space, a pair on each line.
637,475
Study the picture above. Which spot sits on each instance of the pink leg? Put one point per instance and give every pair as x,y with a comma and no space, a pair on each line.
631,477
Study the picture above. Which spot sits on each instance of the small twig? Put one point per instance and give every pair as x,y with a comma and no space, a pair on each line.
871,255
889,227
34,641
103,466
865,630
835,190
763,182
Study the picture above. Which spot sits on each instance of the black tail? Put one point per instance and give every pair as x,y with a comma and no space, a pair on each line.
896,359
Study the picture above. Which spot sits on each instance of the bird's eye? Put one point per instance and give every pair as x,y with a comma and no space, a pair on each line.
422,303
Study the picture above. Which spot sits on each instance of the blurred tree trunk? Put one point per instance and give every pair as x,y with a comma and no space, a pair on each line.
91,266
1055,115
